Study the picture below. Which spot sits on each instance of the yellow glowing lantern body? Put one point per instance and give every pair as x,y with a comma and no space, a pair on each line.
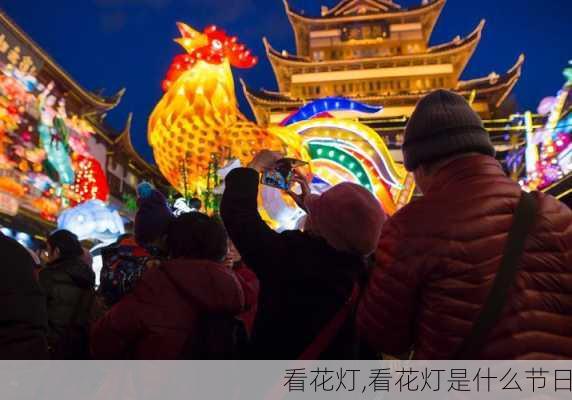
198,117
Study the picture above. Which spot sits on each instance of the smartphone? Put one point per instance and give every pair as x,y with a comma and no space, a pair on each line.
280,176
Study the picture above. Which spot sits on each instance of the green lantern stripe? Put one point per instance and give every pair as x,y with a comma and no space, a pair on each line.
343,158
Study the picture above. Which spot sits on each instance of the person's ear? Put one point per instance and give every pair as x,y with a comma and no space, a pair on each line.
57,253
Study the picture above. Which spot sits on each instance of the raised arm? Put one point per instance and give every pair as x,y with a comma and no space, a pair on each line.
257,243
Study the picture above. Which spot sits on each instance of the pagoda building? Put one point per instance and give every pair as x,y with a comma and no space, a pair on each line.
376,52
56,148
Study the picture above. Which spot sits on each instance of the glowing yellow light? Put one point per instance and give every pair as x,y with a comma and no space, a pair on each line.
359,135
198,116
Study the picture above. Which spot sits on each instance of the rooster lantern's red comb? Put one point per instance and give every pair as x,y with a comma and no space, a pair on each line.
213,46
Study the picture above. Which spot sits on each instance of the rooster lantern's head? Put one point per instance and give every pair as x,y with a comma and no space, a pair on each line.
212,46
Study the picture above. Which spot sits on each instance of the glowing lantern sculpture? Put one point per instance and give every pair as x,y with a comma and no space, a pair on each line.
340,150
45,158
549,149
92,220
198,115
90,181
346,150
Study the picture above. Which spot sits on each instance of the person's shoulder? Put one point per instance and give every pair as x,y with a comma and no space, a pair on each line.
49,276
301,241
59,271
49,271
243,271
412,214
14,250
550,205
553,213
310,249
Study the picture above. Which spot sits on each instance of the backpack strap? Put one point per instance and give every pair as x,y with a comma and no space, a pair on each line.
523,221
332,328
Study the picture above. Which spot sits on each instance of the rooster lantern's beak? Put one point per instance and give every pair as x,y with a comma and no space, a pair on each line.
191,39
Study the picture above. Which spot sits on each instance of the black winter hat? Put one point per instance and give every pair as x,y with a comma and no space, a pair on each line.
443,124
153,215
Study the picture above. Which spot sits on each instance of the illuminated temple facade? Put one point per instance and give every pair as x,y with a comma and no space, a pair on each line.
56,149
377,52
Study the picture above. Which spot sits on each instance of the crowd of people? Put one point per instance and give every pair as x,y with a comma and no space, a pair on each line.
473,268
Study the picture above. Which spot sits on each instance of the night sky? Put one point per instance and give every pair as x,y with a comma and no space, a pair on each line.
112,44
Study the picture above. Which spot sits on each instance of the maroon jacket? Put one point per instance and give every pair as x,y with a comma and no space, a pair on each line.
437,260
156,319
251,288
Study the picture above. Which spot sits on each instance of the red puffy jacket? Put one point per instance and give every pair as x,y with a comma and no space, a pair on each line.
437,260
156,320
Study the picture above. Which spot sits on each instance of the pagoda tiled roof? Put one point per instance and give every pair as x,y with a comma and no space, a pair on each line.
493,79
385,8
124,143
284,54
492,85
458,43
348,6
269,96
494,82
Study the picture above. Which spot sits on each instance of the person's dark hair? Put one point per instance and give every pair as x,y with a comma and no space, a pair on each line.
197,236
195,203
67,243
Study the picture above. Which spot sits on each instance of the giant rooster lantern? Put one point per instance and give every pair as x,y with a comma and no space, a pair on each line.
198,117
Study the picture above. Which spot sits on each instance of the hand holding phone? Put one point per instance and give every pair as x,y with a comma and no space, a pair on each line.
281,174
300,198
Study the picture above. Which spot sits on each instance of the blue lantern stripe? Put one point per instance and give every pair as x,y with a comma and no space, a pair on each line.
328,104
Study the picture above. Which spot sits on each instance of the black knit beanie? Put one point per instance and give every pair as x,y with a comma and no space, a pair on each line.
153,215
442,125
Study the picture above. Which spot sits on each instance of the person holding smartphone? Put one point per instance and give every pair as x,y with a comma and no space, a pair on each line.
308,277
